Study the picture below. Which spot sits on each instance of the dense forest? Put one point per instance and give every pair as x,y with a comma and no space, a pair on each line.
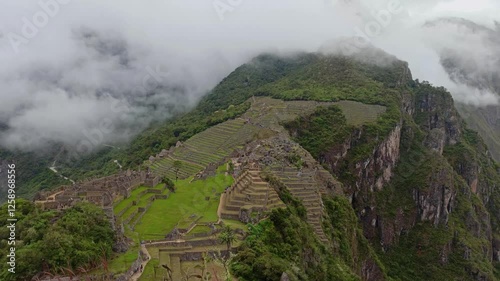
69,242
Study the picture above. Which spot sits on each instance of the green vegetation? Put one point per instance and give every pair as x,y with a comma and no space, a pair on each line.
370,101
208,147
121,263
350,244
169,184
286,243
177,166
33,172
477,119
153,271
150,142
198,229
304,76
227,236
79,238
315,132
134,196
192,200
415,256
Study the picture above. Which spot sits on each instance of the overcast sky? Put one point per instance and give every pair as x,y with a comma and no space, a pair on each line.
73,67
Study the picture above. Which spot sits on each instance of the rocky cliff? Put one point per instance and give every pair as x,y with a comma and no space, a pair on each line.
428,174
471,60
422,186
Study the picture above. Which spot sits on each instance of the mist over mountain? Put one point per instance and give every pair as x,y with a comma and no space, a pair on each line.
471,57
261,140
97,74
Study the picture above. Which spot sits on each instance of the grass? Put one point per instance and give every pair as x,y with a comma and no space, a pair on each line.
217,142
214,268
236,224
150,269
184,206
200,229
357,113
133,196
121,263
204,148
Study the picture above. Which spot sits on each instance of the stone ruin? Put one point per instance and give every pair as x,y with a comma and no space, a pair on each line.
101,191
163,154
249,198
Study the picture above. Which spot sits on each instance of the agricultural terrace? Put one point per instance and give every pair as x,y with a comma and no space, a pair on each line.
192,201
263,118
193,206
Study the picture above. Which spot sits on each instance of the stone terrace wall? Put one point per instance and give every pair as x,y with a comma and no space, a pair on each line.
101,191
194,243
133,269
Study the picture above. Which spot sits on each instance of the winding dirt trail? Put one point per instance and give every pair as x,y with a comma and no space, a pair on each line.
138,274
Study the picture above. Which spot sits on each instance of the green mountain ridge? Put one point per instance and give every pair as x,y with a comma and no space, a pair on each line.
418,195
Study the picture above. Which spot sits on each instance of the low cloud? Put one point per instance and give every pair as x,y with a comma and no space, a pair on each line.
102,71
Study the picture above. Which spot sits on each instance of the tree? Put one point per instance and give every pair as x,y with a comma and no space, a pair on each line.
227,236
74,240
177,166
169,184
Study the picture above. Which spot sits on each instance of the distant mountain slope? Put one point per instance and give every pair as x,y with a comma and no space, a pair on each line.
472,58
253,78
32,172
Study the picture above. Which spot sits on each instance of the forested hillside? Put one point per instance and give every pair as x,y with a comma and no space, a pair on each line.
418,194
423,186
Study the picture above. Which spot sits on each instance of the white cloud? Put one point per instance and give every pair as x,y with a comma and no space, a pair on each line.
52,90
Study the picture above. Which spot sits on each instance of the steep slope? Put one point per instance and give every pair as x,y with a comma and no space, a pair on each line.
422,185
475,64
213,109
33,172
406,193
425,190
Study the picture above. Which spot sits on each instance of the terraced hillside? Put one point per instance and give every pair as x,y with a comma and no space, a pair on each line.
249,194
262,120
307,189
357,113
192,203
209,146
255,142
286,164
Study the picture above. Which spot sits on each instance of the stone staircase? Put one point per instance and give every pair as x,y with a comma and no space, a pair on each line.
308,190
248,192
